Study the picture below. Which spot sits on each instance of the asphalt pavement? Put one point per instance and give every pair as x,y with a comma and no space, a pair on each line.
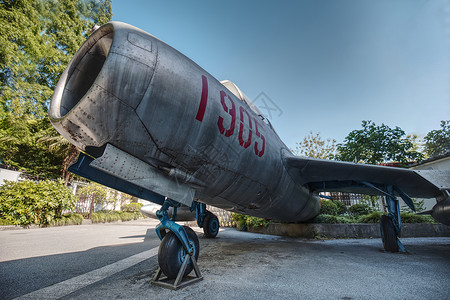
105,261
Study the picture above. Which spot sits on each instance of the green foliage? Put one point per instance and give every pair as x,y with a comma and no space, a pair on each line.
256,222
93,189
360,209
114,216
341,207
437,142
68,219
331,219
371,201
419,205
19,147
376,144
240,221
243,221
27,202
313,146
373,217
132,207
4,222
413,218
37,40
328,207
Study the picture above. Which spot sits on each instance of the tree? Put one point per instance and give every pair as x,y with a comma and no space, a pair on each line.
437,142
37,40
375,144
313,146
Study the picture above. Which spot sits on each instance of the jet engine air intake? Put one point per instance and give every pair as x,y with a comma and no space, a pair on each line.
84,68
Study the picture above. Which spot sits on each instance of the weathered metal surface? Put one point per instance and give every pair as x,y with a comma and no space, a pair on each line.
130,90
129,168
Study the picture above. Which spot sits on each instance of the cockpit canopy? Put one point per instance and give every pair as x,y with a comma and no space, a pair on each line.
238,93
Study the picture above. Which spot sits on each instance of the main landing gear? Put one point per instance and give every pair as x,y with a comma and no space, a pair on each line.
179,248
390,225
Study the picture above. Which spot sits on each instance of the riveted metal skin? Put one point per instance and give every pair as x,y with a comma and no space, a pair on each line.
127,89
127,92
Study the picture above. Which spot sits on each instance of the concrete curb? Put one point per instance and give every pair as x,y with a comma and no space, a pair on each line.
349,230
85,222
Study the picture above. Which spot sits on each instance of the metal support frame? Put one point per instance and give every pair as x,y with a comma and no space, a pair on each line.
169,224
160,280
393,207
178,230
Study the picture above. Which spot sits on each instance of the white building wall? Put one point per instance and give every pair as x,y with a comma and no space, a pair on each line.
8,175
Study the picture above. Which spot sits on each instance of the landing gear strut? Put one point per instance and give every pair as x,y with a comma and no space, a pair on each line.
178,252
390,225
179,249
207,220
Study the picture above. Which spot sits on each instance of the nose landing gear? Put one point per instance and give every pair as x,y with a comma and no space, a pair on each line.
179,249
178,252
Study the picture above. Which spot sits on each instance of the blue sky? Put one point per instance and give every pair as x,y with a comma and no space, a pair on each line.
324,65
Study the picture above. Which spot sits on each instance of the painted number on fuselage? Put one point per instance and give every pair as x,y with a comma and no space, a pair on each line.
229,107
231,111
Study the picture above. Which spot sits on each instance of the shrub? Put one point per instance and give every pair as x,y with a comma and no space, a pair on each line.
27,202
406,218
327,207
113,216
331,219
256,222
357,210
412,218
67,219
370,218
126,216
240,221
4,222
243,221
341,207
132,207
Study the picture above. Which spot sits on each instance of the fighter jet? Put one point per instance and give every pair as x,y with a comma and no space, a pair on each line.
152,123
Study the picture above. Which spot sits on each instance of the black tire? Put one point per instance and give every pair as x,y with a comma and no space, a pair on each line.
211,225
389,235
171,253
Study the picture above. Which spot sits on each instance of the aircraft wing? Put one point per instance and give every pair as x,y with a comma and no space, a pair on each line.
328,175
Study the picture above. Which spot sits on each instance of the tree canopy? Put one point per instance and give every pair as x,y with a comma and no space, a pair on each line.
437,142
376,144
37,40
313,146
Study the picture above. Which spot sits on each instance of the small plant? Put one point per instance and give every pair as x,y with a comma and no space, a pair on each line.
240,221
24,203
243,222
341,207
373,217
327,207
331,219
413,218
132,207
357,210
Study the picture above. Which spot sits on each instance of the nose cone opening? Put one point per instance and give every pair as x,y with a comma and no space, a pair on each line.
82,71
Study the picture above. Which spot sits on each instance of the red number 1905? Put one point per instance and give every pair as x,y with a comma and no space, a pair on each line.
229,107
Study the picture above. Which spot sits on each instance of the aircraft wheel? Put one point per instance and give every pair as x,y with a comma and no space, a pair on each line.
171,253
211,225
389,235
